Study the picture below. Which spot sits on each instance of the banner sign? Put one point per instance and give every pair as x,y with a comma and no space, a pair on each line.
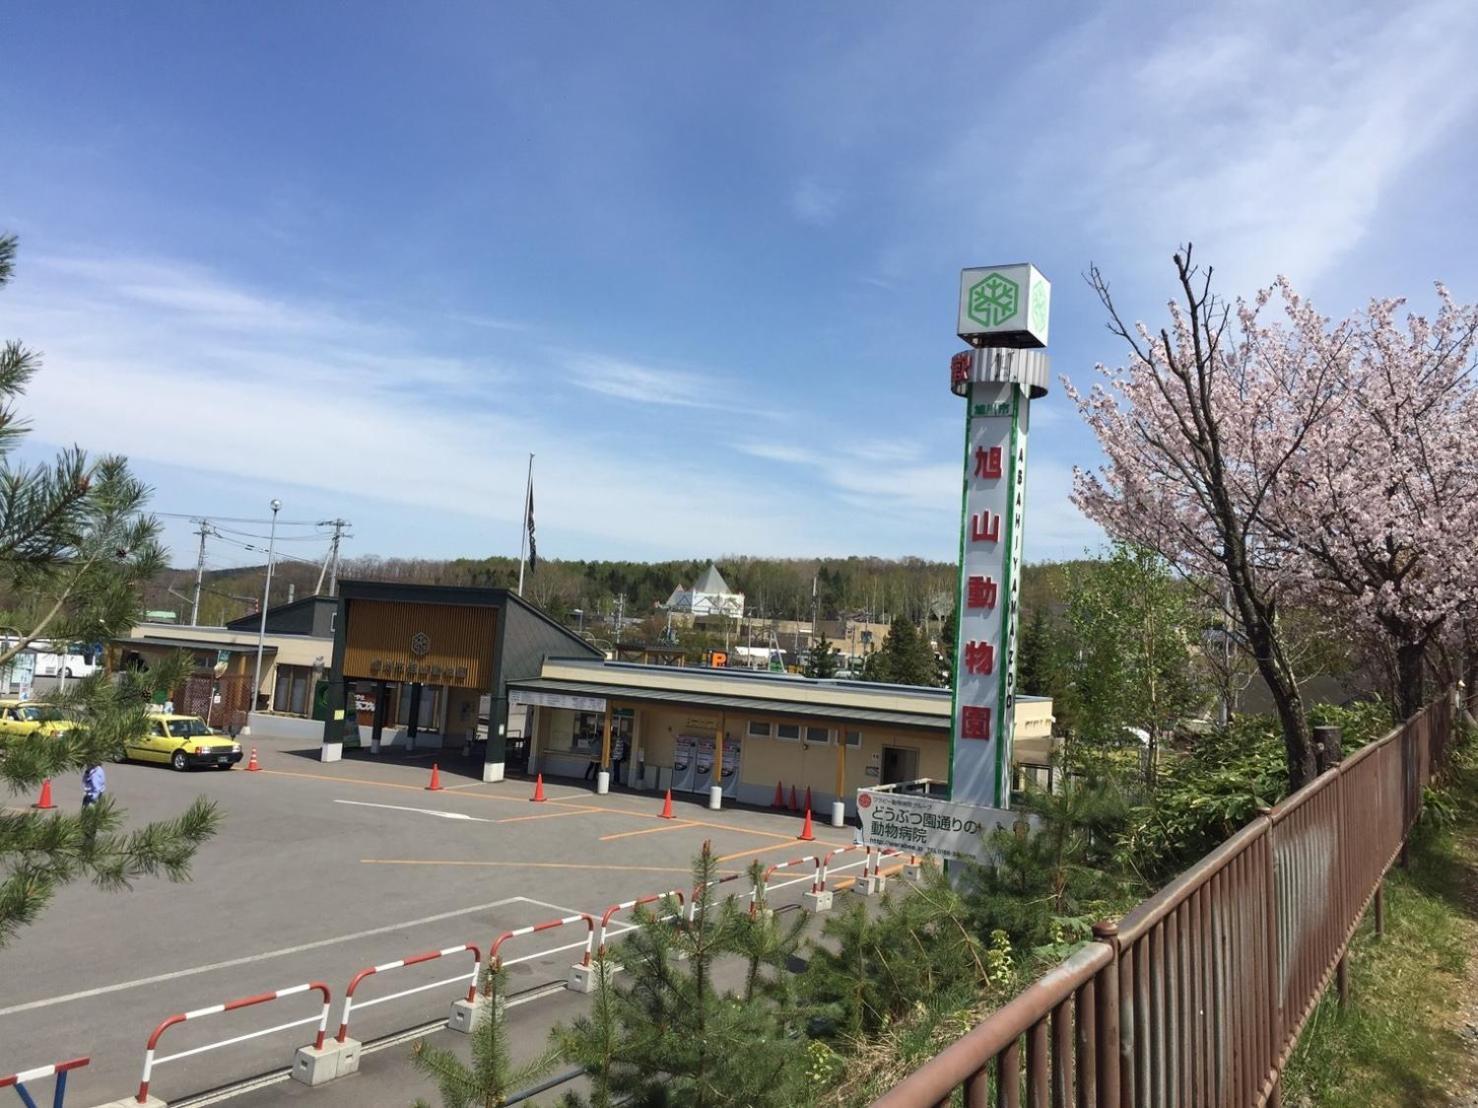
557,700
927,825
990,583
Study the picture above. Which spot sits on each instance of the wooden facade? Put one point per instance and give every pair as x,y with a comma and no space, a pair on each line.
410,641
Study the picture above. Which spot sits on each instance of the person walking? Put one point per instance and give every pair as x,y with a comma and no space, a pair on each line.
94,784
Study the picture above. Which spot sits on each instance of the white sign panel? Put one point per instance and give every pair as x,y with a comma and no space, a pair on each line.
990,568
557,700
1004,305
925,825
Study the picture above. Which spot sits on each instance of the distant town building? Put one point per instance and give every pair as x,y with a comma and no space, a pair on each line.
709,598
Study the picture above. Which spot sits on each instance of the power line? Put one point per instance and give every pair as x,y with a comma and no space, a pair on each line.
196,517
262,550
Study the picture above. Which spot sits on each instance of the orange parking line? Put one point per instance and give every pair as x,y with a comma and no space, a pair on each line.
776,847
644,831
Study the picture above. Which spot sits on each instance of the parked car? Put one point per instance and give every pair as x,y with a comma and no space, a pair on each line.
26,717
184,742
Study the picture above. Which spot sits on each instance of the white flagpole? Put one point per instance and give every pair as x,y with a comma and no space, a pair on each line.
523,539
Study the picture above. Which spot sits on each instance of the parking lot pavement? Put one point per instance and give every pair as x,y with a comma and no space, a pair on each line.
319,871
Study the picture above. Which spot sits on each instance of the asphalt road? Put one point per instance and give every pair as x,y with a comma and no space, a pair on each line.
320,871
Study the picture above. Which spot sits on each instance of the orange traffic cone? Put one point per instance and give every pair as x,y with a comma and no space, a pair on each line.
538,797
806,835
779,801
251,763
794,807
667,806
435,786
808,800
45,801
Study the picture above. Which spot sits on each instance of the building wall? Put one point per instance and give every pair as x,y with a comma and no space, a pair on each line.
286,650
763,762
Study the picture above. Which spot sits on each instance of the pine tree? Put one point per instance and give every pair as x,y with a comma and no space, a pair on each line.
906,657
668,1036
878,967
1033,665
75,548
821,659
492,1078
1049,882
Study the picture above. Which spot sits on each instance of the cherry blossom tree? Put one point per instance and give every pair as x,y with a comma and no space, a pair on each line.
1381,503
1288,461
1197,430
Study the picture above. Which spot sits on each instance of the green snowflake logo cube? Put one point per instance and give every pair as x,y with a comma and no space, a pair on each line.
1039,308
993,300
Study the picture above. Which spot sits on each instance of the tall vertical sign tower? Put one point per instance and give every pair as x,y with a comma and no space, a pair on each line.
1003,315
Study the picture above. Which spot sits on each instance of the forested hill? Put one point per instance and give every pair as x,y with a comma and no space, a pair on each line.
779,588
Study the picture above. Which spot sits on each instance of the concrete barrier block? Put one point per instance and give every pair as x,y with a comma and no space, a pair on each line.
872,885
467,1015
315,1065
348,1056
817,902
583,978
130,1102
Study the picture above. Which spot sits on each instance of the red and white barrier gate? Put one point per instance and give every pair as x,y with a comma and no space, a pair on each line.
17,1081
150,1061
413,960
626,905
693,900
763,885
495,952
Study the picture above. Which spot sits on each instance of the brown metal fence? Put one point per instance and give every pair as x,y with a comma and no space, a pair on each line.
223,702
1198,995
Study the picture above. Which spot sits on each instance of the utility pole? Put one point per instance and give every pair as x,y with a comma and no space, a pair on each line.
331,563
199,573
256,681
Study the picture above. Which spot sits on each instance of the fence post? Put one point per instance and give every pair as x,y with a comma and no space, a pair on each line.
1106,1019
1275,951
1380,908
1328,747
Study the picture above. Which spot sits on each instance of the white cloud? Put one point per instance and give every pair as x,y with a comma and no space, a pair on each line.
779,452
1267,133
815,203
643,384
157,362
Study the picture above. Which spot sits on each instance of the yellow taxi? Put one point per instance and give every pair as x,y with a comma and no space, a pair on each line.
184,742
26,717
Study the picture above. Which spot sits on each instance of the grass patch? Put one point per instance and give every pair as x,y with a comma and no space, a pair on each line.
1398,1042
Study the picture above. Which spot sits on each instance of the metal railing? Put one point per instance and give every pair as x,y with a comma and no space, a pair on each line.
1197,996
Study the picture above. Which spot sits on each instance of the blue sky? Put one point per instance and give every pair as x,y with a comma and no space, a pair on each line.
701,259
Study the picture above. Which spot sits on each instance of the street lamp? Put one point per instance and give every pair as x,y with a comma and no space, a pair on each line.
256,681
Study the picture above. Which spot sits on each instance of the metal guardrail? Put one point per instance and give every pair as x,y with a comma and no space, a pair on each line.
58,1070
1197,996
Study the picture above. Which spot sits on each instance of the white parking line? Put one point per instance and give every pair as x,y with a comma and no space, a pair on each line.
424,811
250,958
